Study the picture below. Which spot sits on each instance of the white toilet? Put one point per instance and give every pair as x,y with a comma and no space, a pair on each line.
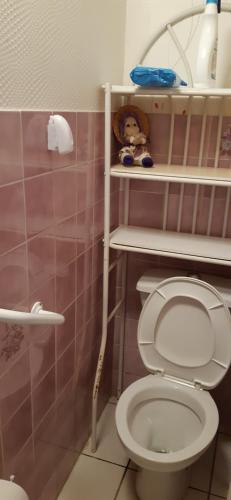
167,419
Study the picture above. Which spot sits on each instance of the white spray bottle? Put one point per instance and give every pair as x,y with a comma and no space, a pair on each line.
206,65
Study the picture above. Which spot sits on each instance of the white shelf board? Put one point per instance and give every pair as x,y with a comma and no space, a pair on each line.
172,244
186,91
176,173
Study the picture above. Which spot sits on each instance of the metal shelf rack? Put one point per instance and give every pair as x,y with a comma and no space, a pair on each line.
176,244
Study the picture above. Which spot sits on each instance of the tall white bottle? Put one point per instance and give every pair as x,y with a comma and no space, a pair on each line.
205,76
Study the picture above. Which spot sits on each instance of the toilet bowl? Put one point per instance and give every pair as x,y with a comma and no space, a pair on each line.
167,419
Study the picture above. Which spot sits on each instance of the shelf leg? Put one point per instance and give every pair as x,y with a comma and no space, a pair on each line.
107,207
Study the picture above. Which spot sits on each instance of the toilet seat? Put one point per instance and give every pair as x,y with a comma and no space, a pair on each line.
184,332
156,387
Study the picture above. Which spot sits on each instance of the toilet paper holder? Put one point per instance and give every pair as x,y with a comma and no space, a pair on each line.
12,491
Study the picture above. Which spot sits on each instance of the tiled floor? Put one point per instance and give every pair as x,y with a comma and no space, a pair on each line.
109,475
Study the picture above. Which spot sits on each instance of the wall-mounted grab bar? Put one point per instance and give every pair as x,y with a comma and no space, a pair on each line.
37,316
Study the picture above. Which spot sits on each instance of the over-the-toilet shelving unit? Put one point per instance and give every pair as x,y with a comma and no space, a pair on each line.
126,238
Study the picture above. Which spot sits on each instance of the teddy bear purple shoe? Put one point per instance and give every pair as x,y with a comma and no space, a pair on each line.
128,160
147,162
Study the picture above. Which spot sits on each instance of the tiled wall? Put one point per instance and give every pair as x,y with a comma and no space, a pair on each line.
146,209
51,223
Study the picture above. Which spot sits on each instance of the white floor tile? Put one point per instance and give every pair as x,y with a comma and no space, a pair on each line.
92,479
212,497
132,465
113,400
127,489
202,470
110,447
195,495
222,469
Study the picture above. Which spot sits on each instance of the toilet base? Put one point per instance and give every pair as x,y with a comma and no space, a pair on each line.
151,485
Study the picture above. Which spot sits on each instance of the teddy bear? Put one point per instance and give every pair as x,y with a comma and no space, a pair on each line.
129,132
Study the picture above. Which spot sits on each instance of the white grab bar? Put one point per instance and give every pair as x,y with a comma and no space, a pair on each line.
37,316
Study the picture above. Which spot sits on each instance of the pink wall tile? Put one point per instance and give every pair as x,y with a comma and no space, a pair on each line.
97,292
203,209
229,223
179,136
210,139
97,264
63,469
41,259
187,214
85,136
10,147
98,218
65,201
43,396
146,209
37,159
218,212
173,208
12,216
133,362
42,354
114,217
84,271
65,333
47,457
194,138
65,286
65,418
84,230
99,136
1,458
65,241
98,180
133,306
81,308
17,431
65,367
84,185
83,340
13,343
54,265
14,387
150,187
129,378
159,135
82,407
131,327
39,204
13,277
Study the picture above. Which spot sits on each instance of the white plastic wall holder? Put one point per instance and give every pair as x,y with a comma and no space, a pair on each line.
60,136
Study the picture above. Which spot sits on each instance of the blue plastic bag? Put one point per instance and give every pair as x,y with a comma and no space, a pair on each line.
156,77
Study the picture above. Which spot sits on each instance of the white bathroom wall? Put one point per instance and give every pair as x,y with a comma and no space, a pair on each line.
144,17
55,54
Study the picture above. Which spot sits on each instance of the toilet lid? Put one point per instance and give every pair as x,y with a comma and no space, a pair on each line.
184,332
